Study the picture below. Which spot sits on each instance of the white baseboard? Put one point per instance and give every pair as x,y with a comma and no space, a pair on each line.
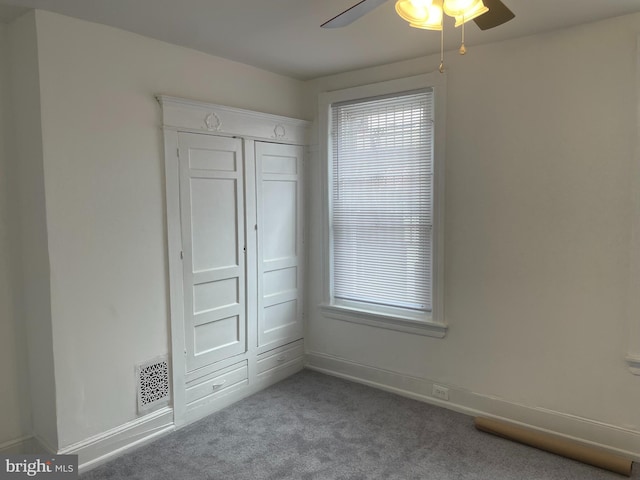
99,449
25,445
611,438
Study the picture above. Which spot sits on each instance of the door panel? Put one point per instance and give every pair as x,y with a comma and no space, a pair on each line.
279,233
278,178
218,224
280,315
212,295
282,280
212,212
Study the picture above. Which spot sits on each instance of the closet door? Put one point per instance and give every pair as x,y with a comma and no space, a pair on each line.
213,239
278,179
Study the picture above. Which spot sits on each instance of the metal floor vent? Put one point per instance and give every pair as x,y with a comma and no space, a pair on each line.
152,379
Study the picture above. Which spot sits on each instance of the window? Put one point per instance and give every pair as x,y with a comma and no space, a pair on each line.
384,214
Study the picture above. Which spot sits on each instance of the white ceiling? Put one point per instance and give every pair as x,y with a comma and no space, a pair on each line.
9,13
284,36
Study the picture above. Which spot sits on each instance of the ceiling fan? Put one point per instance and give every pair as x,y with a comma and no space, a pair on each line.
428,14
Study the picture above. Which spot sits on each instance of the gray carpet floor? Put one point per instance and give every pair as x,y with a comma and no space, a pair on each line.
313,426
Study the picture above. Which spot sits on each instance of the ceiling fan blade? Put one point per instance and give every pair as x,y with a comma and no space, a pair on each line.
497,15
350,15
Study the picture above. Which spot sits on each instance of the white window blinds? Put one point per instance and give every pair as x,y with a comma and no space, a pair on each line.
382,200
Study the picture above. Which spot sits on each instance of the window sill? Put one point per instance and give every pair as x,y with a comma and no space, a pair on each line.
426,328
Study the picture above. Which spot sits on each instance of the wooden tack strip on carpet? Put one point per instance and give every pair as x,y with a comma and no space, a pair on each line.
557,445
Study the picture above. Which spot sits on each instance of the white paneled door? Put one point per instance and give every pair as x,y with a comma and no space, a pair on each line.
278,178
213,239
234,244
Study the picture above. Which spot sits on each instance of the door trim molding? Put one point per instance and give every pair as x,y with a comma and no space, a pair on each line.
199,117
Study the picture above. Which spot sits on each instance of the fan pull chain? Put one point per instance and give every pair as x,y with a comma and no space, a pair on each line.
441,67
463,49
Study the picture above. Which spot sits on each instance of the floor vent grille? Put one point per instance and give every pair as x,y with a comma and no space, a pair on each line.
152,379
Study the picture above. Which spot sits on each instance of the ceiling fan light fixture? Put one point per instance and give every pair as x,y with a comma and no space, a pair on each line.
416,12
458,8
428,14
477,10
434,19
421,14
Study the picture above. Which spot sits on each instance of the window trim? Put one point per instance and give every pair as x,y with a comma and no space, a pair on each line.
633,349
433,324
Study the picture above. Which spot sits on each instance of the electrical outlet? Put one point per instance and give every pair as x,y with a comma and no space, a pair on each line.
440,392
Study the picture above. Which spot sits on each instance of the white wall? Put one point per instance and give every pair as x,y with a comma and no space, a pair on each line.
541,138
14,402
29,217
104,183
